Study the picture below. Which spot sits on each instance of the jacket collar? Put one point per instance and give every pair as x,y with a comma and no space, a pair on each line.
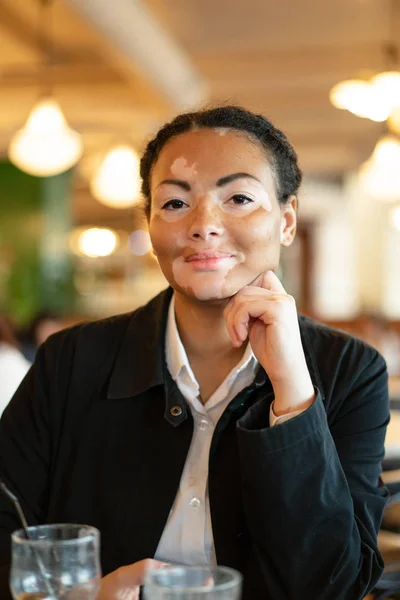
140,361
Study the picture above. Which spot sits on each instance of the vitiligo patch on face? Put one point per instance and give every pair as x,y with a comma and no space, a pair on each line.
170,216
210,285
204,286
265,200
222,130
218,205
241,214
183,169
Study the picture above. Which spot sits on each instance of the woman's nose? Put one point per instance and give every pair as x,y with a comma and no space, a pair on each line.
205,224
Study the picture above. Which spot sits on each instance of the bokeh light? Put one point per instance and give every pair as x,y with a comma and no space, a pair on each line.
95,242
139,242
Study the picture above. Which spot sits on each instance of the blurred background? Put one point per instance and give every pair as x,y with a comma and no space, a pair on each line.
85,83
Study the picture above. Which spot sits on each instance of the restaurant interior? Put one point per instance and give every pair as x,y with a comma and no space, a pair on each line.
92,80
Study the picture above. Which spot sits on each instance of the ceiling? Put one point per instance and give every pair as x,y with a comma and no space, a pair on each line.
278,58
282,58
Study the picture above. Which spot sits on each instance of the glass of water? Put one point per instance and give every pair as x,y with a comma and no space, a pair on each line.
193,583
56,562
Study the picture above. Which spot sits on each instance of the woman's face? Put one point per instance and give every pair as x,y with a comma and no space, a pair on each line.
215,221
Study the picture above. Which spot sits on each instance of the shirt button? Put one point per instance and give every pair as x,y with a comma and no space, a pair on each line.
194,503
176,411
203,424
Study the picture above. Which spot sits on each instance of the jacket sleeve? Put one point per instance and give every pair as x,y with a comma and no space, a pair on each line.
311,489
26,447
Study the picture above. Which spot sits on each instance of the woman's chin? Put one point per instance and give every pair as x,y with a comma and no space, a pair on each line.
210,294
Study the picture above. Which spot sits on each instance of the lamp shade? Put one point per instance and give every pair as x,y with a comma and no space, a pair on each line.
116,183
46,145
388,86
380,174
361,98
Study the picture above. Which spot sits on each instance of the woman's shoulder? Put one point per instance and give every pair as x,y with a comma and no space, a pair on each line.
90,330
340,361
109,328
320,335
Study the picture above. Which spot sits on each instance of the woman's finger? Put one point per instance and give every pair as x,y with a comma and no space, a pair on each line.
256,308
247,293
236,341
228,313
239,329
269,281
123,584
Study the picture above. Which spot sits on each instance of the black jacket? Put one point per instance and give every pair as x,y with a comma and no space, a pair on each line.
89,437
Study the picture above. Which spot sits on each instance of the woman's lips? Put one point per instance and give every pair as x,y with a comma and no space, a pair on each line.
208,261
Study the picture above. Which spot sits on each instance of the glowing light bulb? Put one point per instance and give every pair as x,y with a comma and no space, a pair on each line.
96,242
361,98
388,85
46,145
116,182
387,152
379,176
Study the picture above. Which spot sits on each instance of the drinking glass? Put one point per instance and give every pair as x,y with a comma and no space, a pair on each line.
56,562
193,583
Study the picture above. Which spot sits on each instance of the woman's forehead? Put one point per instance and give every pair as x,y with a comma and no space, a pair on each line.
211,152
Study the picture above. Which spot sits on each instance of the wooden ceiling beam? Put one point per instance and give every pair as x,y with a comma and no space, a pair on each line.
138,43
298,103
71,74
284,64
27,33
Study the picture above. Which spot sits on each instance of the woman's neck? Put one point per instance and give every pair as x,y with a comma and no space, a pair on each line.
203,331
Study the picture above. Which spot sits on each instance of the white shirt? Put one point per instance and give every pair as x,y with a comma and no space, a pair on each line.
187,537
13,368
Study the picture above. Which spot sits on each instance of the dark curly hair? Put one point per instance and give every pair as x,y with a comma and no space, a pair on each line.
279,150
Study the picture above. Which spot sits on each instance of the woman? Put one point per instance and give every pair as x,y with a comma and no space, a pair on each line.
214,424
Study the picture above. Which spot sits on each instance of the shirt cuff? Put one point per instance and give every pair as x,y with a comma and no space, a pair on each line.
274,420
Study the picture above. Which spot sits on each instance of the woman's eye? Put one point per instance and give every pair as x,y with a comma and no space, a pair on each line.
174,204
241,199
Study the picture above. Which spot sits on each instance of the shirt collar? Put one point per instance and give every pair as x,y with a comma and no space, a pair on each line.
176,356
140,360
177,360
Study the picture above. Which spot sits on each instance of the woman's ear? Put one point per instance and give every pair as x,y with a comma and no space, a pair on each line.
289,221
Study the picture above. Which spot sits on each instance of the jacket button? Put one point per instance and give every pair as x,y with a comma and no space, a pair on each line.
176,411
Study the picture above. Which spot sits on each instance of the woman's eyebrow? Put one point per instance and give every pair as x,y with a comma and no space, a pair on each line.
228,178
221,182
179,182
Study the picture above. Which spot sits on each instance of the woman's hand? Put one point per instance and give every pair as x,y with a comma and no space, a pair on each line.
265,314
123,584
